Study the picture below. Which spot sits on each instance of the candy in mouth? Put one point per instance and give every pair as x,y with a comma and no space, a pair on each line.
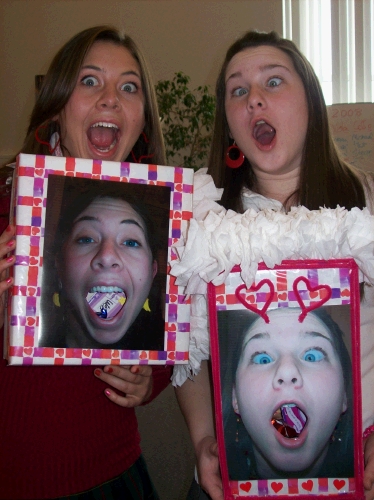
106,301
289,420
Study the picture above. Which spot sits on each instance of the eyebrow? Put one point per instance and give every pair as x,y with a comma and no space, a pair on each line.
266,335
318,334
262,69
96,219
97,68
256,336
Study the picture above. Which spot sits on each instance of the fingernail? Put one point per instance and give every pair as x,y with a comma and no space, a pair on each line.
10,259
107,392
97,372
109,369
10,243
8,229
135,369
9,280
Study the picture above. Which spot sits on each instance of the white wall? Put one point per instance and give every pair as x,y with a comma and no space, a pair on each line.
176,35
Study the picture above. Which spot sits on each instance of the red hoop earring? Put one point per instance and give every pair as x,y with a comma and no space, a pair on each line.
45,143
138,160
234,162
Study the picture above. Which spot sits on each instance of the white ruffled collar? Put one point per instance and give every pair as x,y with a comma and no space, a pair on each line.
218,239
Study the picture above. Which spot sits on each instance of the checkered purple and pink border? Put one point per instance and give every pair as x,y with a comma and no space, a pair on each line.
29,206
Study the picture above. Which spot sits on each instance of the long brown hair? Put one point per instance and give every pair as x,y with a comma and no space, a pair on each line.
325,179
59,83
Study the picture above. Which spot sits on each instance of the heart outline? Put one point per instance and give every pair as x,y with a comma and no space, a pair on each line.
255,288
305,309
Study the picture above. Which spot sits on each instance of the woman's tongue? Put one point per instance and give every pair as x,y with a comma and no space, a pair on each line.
102,138
264,133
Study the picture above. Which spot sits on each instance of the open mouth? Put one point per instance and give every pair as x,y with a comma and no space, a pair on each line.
106,301
263,132
289,420
103,136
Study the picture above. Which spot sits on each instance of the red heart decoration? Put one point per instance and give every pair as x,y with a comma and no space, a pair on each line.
177,215
30,321
246,486
244,300
37,201
178,187
31,291
143,355
27,350
338,483
60,352
172,327
172,298
307,485
313,295
276,487
115,354
35,230
220,299
325,295
345,293
86,352
171,355
282,296
39,171
33,261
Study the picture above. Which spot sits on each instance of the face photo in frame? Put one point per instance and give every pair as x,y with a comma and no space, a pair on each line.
105,259
286,378
94,243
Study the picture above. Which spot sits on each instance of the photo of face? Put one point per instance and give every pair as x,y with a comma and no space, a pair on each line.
289,390
107,257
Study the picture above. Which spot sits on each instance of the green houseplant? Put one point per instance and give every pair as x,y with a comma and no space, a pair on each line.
187,120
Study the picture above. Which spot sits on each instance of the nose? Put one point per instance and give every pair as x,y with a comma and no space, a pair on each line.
287,374
256,99
106,257
109,98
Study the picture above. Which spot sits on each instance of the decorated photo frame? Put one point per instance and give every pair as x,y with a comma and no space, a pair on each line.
288,414
52,208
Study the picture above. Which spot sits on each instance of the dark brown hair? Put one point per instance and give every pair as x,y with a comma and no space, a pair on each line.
325,179
59,83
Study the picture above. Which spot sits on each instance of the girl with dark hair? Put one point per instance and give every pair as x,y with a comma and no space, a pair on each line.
62,432
272,148
286,395
104,260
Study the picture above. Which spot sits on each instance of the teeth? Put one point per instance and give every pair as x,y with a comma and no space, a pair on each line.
106,289
104,124
105,150
260,122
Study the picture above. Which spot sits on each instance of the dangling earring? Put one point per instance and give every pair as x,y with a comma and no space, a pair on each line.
56,299
239,157
238,422
56,295
45,143
138,160
146,306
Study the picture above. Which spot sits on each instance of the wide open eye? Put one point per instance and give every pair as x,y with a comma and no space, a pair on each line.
90,81
262,358
129,87
84,240
239,92
274,82
131,243
313,355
